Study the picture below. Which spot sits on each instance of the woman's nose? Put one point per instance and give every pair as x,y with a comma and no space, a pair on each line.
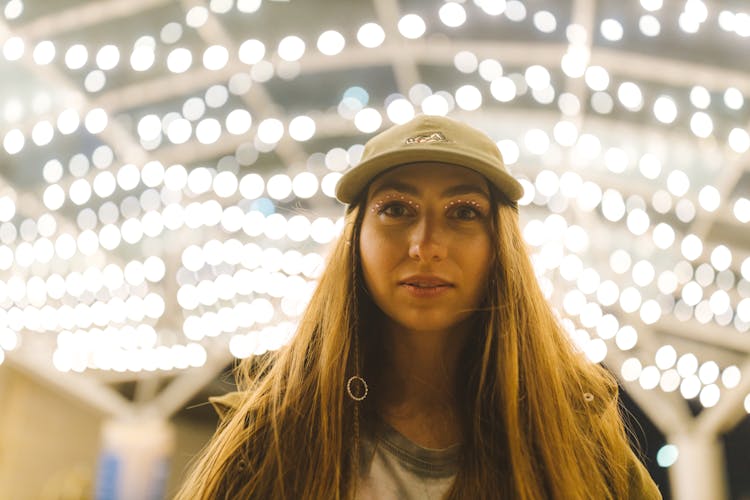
428,241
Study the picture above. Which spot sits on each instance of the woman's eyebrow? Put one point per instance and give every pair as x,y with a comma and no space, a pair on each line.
413,190
465,189
396,186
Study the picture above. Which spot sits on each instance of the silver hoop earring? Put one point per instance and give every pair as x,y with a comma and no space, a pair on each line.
356,378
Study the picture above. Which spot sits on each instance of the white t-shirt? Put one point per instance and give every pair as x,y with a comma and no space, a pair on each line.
394,468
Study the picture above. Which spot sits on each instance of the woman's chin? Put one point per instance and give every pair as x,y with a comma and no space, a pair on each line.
426,323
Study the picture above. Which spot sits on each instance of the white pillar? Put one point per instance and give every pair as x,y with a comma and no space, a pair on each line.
134,460
698,473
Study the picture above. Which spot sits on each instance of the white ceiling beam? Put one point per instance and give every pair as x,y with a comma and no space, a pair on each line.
188,383
510,54
725,337
404,68
584,14
670,72
83,15
163,88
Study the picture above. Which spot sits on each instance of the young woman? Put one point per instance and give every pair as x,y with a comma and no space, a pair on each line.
428,363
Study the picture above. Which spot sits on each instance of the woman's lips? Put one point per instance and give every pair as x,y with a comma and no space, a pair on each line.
425,280
426,291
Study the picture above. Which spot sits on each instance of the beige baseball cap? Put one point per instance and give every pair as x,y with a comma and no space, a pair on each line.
428,138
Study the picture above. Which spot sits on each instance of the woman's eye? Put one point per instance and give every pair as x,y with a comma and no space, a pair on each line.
393,210
466,212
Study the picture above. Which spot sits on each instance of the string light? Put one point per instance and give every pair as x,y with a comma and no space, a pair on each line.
411,26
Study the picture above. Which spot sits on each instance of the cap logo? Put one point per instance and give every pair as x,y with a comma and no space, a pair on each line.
426,138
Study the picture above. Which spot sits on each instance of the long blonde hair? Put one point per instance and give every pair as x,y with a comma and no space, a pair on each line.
540,420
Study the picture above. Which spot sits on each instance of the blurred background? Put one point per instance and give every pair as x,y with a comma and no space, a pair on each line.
166,201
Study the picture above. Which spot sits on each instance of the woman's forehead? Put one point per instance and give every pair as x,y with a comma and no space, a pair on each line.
429,175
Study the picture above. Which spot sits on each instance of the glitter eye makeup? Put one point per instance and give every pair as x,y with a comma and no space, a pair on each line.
471,203
393,197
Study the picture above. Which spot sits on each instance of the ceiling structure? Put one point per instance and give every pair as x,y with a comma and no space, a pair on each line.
167,173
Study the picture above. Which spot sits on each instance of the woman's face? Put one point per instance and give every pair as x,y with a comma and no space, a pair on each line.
425,244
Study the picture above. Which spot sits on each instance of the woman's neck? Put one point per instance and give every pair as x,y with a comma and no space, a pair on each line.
418,389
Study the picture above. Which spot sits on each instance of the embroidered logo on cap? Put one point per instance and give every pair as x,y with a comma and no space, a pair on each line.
426,138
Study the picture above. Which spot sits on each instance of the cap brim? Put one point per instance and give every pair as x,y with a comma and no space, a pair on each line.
352,183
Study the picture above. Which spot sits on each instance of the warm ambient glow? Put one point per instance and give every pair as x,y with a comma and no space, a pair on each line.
241,188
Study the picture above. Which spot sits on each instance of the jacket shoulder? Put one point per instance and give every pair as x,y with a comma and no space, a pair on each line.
642,486
226,403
